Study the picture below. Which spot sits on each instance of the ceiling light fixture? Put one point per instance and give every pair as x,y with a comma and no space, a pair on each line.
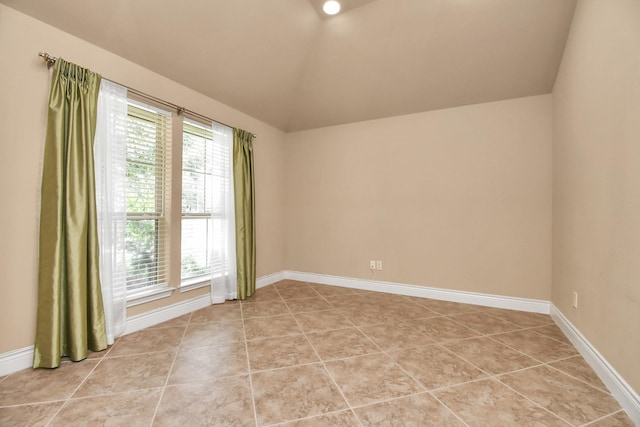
331,7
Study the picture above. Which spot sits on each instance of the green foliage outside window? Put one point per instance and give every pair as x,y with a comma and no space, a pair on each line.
144,198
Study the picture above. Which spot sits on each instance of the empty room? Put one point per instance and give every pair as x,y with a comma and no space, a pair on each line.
320,213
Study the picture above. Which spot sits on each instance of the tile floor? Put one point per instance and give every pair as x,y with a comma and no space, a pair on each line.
302,354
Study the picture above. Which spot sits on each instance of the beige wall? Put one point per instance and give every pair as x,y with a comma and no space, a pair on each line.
596,180
457,198
24,90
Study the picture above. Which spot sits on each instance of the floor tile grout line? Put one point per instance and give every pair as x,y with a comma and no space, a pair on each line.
111,393
488,377
386,353
260,301
520,351
425,387
320,360
426,390
536,329
391,399
122,356
310,417
383,350
490,374
548,364
576,378
518,327
250,373
546,336
451,317
517,371
44,402
529,327
455,414
271,336
173,363
323,330
487,373
495,378
562,359
66,401
533,401
450,386
333,380
282,368
56,413
440,344
589,423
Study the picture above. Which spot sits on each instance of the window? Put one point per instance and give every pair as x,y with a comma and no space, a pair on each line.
176,236
147,193
197,194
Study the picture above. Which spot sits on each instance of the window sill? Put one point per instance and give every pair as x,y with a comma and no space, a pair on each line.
143,296
192,284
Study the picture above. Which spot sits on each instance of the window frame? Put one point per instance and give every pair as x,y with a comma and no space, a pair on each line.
146,111
197,128
169,215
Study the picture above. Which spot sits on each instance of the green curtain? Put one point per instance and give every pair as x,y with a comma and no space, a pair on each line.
244,185
70,311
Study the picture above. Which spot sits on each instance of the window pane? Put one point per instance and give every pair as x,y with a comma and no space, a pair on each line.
197,165
143,135
141,191
195,198
196,253
141,253
148,184
192,148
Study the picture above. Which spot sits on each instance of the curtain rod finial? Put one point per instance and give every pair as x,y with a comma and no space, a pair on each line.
50,60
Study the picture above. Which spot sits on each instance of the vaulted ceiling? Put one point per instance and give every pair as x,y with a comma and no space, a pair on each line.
285,63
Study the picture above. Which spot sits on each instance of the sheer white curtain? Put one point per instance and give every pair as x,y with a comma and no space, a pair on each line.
110,147
224,285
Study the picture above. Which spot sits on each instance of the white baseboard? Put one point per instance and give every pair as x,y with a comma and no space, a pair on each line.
16,360
269,279
488,300
22,358
162,314
19,359
621,390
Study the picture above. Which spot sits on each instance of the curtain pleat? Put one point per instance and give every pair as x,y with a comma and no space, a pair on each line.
70,317
244,188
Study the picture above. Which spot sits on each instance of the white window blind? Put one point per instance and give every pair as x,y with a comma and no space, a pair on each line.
147,192
197,222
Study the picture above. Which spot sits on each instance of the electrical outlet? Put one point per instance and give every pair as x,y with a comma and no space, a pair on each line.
372,265
379,265
574,300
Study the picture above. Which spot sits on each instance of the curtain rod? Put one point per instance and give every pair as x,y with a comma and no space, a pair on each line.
50,60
